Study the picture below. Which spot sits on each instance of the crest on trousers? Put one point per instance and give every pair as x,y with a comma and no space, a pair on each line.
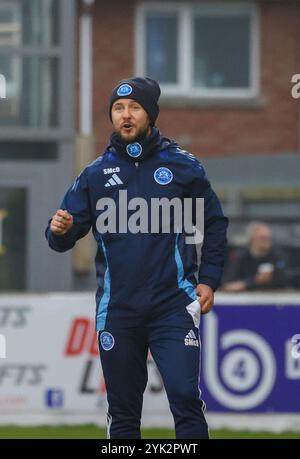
107,341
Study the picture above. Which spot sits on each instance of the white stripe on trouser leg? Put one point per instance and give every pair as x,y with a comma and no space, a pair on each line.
109,421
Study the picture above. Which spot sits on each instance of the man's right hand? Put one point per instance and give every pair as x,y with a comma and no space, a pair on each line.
61,222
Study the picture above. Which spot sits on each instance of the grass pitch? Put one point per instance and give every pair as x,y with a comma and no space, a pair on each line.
94,432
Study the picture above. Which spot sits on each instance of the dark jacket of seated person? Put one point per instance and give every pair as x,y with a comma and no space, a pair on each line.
259,266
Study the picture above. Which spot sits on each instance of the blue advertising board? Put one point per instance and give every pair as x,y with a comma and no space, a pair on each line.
251,358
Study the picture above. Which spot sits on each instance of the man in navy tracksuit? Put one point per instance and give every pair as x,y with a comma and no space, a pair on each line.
151,289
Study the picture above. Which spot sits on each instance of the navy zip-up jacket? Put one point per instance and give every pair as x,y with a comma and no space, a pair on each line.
144,275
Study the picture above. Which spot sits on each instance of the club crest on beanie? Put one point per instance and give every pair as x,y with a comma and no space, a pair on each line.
144,90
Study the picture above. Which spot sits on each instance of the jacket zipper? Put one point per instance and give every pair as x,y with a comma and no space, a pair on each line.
138,235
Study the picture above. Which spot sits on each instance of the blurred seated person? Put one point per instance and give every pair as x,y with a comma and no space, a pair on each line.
257,267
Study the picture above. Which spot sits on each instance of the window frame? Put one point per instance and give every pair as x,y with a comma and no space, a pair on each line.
64,54
186,14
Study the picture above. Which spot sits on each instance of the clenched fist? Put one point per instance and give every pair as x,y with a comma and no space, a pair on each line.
206,299
61,222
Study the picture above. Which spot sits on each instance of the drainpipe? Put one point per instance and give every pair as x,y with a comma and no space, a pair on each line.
85,142
86,68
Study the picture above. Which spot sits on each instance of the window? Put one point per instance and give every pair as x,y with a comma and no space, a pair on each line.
207,50
162,47
31,96
29,61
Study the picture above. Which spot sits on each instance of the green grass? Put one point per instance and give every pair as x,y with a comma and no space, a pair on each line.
94,432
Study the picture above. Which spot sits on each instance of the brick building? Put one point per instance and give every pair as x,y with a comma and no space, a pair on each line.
242,106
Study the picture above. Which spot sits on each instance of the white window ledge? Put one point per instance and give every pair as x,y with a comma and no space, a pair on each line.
257,102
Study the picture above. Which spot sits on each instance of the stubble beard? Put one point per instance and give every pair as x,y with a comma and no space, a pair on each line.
130,138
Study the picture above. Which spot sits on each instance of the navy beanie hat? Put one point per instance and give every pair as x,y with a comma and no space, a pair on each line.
144,90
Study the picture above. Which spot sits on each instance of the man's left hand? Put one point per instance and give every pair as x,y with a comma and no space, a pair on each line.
206,299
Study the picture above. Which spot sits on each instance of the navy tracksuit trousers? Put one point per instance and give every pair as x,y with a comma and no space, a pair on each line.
177,356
